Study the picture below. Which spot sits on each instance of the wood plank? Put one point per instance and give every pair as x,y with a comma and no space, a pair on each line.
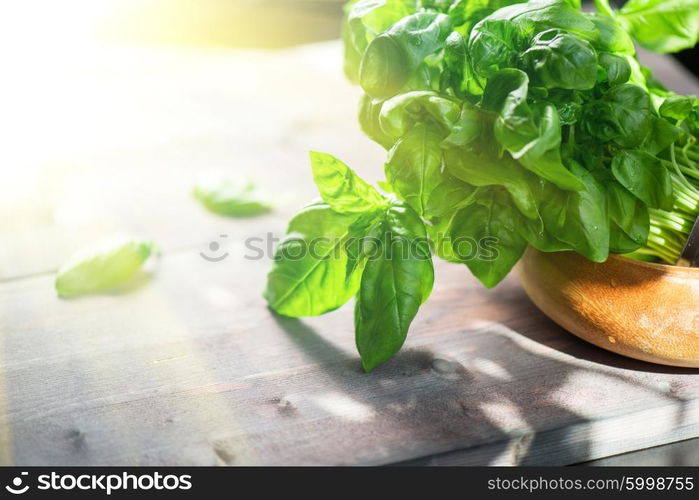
193,368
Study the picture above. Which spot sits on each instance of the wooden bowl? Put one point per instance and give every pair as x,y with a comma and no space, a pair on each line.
637,309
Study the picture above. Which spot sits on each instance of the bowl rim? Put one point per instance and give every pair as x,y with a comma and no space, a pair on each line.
665,268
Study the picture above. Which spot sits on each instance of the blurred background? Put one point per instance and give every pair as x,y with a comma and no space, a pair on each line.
111,108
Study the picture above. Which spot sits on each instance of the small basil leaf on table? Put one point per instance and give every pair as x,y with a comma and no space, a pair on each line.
310,264
393,286
645,177
103,266
230,197
340,187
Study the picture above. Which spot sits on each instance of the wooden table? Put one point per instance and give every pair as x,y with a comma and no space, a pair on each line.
190,367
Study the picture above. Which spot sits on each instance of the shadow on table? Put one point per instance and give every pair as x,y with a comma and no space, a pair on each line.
441,405
556,337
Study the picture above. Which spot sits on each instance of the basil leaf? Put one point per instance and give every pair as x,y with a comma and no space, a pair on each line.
484,170
393,286
645,177
449,195
617,68
400,113
363,241
369,111
531,136
559,60
612,37
392,57
340,187
104,266
578,219
623,115
539,15
310,265
660,136
662,25
414,166
495,44
233,198
630,218
364,20
491,227
678,107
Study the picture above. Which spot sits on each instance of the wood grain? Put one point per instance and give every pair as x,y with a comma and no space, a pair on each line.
190,367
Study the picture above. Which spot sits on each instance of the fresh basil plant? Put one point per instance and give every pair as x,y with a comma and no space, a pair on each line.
506,124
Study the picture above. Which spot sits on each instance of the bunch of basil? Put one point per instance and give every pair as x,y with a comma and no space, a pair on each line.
506,124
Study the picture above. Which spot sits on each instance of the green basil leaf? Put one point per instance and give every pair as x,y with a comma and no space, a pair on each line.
364,20
341,188
539,15
630,217
616,68
661,135
531,136
449,195
310,265
578,218
466,129
559,60
104,266
400,113
490,227
414,166
495,44
393,286
458,71
645,177
678,107
369,111
662,25
363,241
612,36
392,57
230,197
484,170
622,115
